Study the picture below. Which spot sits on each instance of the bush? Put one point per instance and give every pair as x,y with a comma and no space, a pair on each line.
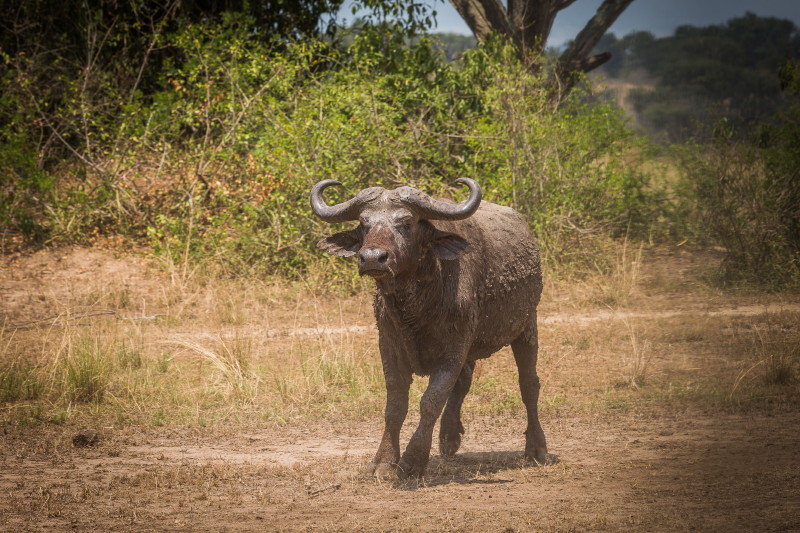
745,197
213,163
573,171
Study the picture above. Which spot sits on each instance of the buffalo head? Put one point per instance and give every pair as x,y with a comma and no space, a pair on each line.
394,233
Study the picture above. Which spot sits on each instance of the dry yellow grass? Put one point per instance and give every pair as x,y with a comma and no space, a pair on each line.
267,399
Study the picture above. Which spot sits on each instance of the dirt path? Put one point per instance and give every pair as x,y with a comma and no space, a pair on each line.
630,473
649,465
556,318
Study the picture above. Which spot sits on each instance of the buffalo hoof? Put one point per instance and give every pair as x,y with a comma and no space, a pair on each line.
536,454
450,436
406,470
381,470
449,444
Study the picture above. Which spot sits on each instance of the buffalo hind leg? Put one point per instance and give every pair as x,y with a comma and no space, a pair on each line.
451,428
525,349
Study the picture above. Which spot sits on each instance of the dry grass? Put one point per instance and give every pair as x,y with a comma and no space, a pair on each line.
198,408
638,359
619,284
276,355
244,351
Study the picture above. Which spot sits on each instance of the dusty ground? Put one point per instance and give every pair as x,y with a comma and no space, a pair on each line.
640,473
639,463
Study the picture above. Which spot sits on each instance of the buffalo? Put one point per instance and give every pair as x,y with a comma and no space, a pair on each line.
447,294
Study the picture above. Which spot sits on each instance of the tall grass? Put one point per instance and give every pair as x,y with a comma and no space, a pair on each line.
232,360
638,359
19,378
87,369
19,381
774,363
274,368
618,275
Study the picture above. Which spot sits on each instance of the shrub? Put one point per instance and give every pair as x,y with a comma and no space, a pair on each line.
573,170
746,198
214,161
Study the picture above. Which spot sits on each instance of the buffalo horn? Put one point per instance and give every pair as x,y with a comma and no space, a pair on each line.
431,209
334,213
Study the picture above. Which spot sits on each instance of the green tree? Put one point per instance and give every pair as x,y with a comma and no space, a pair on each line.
703,74
527,23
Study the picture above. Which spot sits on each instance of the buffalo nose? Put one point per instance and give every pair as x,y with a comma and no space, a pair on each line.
372,258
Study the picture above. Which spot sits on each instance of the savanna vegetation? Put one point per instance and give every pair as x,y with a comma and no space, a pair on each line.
209,153
194,133
199,137
169,148
686,82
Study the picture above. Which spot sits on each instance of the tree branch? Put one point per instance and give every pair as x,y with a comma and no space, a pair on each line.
575,55
532,21
563,4
483,17
575,60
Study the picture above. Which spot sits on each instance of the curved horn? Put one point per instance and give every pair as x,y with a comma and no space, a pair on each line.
334,213
431,209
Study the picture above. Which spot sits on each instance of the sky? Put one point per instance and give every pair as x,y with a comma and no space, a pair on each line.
660,17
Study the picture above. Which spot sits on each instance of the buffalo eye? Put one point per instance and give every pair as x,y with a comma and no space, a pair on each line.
404,224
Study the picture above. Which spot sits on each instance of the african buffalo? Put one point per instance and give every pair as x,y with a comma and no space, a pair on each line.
447,294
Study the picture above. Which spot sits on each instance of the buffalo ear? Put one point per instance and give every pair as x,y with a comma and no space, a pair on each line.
448,246
343,243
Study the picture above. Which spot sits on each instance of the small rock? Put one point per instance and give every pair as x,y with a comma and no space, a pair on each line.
87,437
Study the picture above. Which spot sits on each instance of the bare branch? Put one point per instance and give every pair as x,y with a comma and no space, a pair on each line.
576,60
484,17
563,4
574,57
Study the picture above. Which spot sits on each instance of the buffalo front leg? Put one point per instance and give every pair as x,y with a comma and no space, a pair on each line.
418,451
451,428
388,454
525,349
397,386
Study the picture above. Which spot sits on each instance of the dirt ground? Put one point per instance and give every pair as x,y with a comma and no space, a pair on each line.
650,467
691,472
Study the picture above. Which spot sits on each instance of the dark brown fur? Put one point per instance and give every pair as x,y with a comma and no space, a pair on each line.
448,293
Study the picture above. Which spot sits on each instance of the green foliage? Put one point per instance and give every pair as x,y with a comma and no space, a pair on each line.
454,45
405,18
746,198
568,170
742,192
213,160
789,75
703,74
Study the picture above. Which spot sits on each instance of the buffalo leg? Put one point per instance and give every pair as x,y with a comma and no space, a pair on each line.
418,451
397,386
525,349
388,454
451,428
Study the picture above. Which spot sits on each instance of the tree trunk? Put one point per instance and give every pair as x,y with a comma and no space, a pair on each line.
483,17
528,24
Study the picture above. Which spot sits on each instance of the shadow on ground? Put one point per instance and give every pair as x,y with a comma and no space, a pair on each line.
472,468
